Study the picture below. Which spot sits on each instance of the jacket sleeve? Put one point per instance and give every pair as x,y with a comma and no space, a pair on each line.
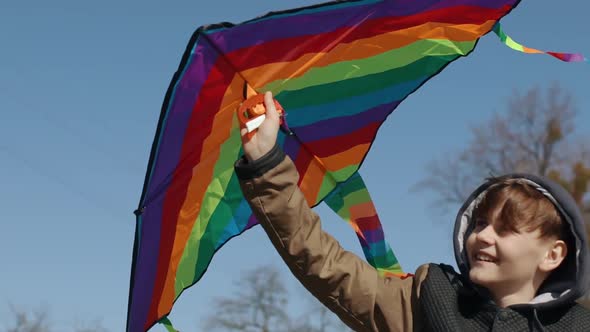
342,281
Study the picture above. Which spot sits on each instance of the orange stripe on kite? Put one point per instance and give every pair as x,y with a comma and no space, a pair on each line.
364,48
201,178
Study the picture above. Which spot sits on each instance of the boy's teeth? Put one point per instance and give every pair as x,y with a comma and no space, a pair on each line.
484,258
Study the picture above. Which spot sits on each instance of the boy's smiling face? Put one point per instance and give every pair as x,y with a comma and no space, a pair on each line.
506,262
515,242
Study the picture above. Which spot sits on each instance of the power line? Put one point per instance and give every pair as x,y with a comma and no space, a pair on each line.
55,178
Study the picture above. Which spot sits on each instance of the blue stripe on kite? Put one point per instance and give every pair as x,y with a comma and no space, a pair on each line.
377,248
305,116
380,261
236,224
344,125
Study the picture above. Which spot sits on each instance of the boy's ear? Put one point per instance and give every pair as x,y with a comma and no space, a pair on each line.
554,256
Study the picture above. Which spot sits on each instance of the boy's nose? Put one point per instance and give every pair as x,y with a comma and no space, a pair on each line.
486,235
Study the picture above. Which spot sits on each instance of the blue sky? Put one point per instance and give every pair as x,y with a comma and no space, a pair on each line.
81,86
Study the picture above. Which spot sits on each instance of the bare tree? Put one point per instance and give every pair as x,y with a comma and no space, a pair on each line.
38,320
35,321
535,135
94,326
257,305
318,318
260,303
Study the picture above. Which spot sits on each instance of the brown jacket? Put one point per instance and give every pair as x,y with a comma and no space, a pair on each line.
436,298
342,281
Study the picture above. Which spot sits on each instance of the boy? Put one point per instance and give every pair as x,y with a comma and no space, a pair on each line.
520,245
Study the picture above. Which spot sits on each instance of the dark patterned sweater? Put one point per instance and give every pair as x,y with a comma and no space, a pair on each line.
449,305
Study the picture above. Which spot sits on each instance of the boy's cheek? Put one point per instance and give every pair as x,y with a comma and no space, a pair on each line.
468,246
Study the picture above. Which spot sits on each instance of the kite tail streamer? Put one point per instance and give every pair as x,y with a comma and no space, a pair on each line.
352,202
506,40
167,324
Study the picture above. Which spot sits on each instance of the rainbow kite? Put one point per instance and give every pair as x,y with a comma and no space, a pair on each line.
338,69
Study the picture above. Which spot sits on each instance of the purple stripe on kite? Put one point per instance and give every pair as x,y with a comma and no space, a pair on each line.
178,114
437,4
145,270
252,221
169,149
374,235
574,57
364,245
308,24
261,32
291,147
339,126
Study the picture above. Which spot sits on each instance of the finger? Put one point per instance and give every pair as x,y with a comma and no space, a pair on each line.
269,104
243,132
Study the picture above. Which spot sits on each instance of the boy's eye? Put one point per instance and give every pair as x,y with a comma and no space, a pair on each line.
480,223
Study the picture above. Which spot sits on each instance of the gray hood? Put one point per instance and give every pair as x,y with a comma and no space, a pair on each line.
564,285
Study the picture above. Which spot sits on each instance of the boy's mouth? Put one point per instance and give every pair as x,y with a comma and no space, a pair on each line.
483,257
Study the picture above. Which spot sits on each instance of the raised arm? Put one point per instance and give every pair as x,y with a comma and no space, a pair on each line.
342,281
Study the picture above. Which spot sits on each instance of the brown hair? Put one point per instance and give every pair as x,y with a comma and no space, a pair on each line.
514,205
